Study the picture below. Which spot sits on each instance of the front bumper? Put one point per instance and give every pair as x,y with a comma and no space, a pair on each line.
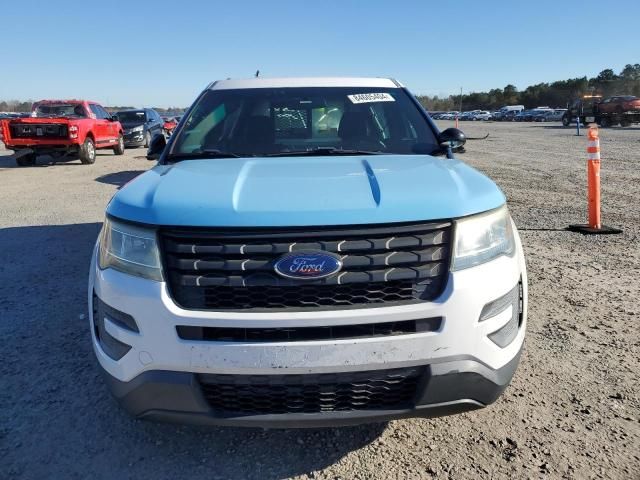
55,150
446,388
463,368
134,139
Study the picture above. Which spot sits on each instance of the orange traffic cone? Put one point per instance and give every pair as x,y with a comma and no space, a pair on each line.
593,188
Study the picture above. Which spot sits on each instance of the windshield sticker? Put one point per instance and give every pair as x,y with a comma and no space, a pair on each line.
370,97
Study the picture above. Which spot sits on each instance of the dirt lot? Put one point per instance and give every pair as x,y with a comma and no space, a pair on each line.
572,411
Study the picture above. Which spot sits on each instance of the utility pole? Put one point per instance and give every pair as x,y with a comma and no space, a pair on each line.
460,107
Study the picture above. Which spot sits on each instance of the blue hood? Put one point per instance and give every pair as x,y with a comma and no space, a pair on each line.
299,191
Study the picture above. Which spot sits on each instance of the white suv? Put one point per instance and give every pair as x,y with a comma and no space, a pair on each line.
307,252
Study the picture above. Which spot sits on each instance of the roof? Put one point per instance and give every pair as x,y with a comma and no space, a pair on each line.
71,100
264,82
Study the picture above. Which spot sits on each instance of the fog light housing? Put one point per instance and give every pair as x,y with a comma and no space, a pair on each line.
508,332
113,347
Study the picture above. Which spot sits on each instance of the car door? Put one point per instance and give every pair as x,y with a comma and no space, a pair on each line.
112,127
606,105
101,129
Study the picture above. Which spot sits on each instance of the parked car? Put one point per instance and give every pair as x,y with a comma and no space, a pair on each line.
480,115
619,104
268,272
140,126
509,116
551,115
449,115
508,112
169,125
64,129
468,115
538,115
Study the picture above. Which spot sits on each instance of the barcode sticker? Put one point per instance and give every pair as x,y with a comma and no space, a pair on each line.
370,97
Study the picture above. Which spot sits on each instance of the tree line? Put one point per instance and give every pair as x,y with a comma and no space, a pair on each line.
555,94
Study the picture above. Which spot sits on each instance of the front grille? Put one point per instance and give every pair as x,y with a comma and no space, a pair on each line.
311,393
39,130
232,269
301,334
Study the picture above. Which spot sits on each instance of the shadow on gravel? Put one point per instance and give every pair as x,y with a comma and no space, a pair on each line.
7,160
119,178
58,420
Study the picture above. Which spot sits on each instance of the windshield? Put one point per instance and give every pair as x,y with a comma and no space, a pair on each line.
59,110
134,116
272,121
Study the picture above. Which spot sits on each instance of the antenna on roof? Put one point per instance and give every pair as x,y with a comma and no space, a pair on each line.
257,73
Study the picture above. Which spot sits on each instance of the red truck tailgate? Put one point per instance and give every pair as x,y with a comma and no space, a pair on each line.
27,130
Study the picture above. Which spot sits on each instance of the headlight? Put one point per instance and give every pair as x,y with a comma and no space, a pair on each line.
139,128
481,238
130,249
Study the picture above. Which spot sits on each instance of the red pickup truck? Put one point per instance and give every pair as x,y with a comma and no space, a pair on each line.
64,129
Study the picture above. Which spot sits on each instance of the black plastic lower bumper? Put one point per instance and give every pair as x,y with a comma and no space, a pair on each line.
134,139
448,388
53,150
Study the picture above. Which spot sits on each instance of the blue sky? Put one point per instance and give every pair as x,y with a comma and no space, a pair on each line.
163,53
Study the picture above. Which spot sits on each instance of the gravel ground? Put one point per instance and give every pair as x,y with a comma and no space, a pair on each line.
572,410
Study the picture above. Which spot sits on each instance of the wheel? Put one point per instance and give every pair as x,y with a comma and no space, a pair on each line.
566,121
26,160
625,123
87,152
605,122
119,148
147,139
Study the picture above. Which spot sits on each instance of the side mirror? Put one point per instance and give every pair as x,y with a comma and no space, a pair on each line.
156,147
452,138
114,118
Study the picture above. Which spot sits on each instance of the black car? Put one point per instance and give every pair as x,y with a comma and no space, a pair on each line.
140,126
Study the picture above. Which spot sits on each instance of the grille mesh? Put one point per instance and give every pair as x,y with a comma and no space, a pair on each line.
233,269
334,392
301,334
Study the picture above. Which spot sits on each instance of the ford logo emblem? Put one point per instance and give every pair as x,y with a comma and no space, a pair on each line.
308,265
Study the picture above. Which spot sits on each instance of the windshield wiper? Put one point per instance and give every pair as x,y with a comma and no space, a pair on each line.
207,153
320,151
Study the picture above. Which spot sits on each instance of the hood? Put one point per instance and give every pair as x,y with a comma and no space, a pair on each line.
300,191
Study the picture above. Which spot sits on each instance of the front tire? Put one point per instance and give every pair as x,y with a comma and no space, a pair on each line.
119,148
605,122
88,152
26,160
566,121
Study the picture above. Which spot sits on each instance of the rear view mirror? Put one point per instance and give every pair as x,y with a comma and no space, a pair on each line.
156,147
452,138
